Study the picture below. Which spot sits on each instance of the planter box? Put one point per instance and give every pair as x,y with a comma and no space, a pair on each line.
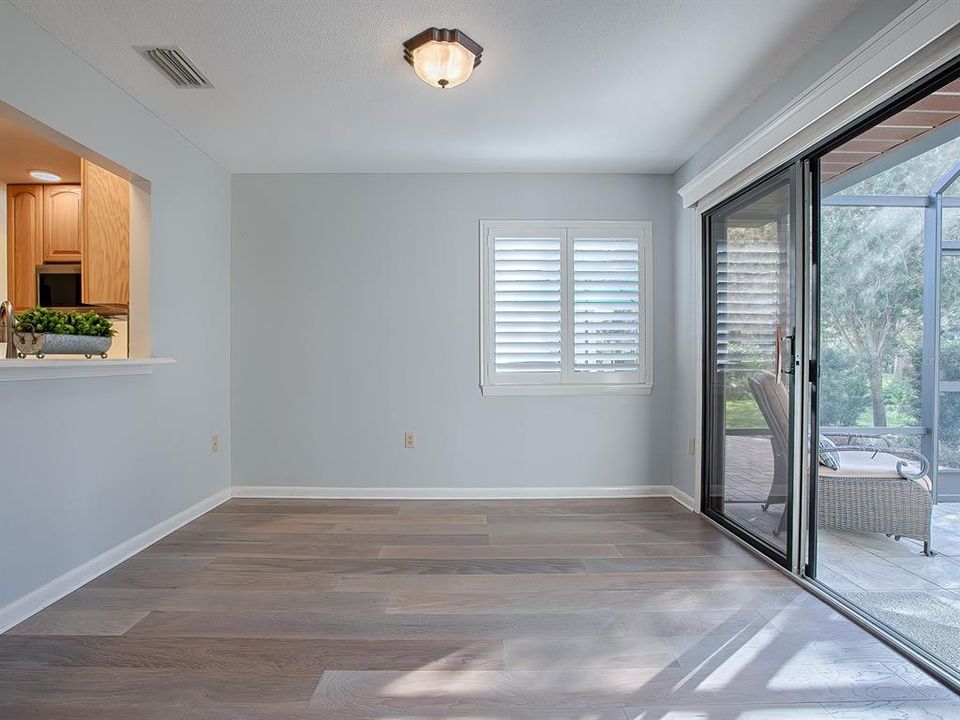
42,344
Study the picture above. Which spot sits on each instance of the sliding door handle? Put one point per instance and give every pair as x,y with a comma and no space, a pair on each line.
790,357
788,366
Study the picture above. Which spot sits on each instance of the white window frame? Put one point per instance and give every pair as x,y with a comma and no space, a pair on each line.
568,383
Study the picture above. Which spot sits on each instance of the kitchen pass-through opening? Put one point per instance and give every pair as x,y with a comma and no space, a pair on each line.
74,256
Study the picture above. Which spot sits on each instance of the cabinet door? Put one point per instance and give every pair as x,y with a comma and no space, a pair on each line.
61,223
105,236
24,240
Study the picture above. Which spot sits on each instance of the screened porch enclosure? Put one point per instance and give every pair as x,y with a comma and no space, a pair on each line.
889,374
831,372
889,361
890,307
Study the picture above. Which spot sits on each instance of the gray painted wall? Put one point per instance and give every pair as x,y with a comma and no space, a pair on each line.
89,464
340,283
356,318
849,35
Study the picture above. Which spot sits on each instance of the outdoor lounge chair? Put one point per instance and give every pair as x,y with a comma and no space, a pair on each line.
874,489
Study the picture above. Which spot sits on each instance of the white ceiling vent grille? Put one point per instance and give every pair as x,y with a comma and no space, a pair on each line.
173,63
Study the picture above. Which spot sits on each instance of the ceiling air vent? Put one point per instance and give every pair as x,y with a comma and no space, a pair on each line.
172,62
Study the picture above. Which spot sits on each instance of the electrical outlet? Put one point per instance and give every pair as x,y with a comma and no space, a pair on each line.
409,440
692,446
215,444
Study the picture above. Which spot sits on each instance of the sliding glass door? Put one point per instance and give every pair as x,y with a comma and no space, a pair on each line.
885,521
751,280
831,431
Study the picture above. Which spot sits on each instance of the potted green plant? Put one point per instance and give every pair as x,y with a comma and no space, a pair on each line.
44,331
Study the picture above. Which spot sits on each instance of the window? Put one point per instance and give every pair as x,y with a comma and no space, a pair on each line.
565,307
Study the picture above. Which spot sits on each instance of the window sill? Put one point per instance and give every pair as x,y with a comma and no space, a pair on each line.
585,389
23,370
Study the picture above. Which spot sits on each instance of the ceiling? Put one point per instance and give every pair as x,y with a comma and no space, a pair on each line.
21,151
565,85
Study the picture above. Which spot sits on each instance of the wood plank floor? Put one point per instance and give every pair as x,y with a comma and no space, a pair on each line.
352,610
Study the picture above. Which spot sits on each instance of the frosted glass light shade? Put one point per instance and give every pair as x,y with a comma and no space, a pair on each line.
443,64
442,58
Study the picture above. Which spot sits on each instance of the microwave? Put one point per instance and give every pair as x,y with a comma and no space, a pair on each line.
58,285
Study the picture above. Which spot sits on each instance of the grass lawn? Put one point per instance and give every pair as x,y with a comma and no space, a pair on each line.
744,414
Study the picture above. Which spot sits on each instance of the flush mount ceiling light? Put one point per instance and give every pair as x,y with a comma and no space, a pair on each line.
44,176
442,58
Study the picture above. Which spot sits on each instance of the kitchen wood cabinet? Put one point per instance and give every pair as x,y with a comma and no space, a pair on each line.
24,243
104,236
61,223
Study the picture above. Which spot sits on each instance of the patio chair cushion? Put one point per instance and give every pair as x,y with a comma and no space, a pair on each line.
859,463
827,457
774,405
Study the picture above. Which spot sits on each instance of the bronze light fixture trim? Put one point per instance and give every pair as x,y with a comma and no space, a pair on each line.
441,57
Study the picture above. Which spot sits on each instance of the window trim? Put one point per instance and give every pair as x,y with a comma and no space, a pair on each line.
545,384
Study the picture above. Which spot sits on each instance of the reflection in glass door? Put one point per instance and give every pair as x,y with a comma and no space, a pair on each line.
750,363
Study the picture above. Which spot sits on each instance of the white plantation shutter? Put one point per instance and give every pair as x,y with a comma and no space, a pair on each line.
749,301
527,303
566,306
606,304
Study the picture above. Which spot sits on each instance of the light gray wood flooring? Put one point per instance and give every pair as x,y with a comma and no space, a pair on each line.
539,610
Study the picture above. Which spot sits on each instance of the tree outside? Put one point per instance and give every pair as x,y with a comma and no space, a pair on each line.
871,304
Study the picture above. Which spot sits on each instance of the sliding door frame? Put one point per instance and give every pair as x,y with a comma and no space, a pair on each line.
918,90
810,372
802,523
712,456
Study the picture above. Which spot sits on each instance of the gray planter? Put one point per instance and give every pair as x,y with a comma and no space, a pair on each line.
42,344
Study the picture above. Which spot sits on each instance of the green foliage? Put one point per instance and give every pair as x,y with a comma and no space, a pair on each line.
951,222
736,385
950,310
871,301
950,359
743,413
871,286
872,281
950,403
844,387
949,429
902,397
47,320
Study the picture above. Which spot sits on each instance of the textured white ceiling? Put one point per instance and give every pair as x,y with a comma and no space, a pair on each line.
565,85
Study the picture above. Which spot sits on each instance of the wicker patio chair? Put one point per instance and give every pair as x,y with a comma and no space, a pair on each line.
875,489
771,398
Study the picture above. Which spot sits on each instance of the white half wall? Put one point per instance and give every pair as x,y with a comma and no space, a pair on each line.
89,464
356,317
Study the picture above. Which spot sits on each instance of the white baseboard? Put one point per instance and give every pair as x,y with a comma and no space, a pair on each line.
469,493
19,610
681,497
